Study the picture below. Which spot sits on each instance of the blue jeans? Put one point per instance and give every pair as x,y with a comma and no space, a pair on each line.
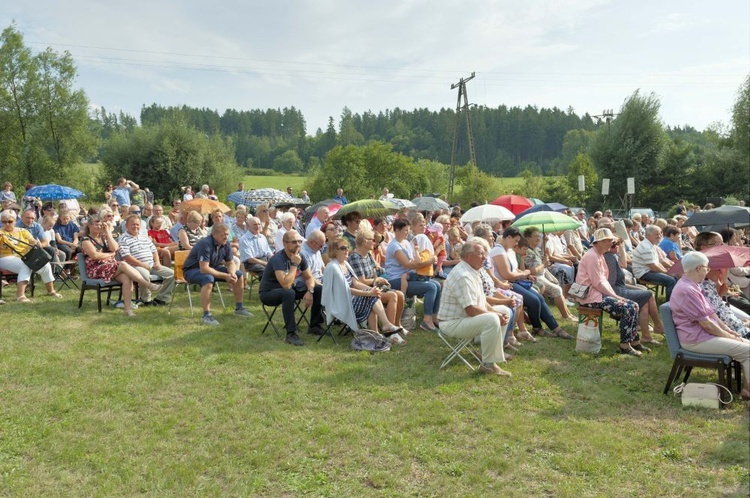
536,307
427,288
668,281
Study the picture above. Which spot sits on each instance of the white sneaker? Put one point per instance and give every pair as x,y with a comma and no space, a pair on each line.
570,303
120,304
209,320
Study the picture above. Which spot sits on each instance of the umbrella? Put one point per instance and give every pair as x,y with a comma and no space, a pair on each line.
294,202
536,201
204,206
259,196
430,204
550,206
515,203
368,208
53,192
547,222
720,257
403,203
724,216
310,212
488,213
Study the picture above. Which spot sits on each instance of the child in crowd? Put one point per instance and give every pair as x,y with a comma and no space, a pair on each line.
66,234
435,234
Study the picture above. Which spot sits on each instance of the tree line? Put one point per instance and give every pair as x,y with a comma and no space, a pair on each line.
47,131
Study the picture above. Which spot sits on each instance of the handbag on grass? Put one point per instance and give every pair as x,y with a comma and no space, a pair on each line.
35,258
588,338
579,291
704,395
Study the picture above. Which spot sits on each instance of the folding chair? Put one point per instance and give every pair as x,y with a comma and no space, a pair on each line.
100,286
269,315
59,269
252,277
457,346
179,279
684,359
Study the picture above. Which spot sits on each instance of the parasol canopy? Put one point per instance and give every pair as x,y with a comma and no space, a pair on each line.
549,206
430,204
204,206
726,216
259,196
515,203
720,257
368,208
403,203
312,211
547,222
488,213
53,192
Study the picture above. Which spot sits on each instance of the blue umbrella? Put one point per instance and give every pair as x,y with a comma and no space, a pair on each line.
53,192
549,206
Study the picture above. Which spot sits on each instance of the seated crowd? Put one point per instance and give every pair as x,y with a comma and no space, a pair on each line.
478,279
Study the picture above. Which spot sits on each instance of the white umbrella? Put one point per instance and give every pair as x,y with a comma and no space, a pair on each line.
489,213
430,204
403,203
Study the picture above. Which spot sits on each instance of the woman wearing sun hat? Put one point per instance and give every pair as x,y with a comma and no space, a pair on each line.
593,272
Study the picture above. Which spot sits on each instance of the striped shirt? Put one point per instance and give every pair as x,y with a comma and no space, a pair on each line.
141,248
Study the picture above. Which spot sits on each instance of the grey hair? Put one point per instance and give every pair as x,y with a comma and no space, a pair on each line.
693,260
8,215
483,230
286,217
652,229
471,244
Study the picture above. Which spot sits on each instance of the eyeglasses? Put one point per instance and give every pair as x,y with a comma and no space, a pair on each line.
135,212
703,267
343,248
293,241
8,222
114,205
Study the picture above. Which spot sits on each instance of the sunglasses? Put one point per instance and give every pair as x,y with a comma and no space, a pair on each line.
8,222
293,241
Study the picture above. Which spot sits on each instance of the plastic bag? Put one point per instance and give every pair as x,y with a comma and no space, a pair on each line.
588,338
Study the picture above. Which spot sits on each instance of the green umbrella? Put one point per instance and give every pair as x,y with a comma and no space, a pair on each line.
368,208
546,222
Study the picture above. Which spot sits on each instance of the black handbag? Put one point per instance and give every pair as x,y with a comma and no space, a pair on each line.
35,258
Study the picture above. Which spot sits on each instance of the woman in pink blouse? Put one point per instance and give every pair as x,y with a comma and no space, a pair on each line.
593,271
698,327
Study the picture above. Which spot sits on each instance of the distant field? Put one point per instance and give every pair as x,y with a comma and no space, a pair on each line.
280,182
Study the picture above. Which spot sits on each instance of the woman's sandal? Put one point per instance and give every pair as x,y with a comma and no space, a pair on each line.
23,299
563,335
54,294
525,336
542,333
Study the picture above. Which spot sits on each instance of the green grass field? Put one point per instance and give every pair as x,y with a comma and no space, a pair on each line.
280,182
156,405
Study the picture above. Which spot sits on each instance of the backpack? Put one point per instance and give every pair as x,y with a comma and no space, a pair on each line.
368,340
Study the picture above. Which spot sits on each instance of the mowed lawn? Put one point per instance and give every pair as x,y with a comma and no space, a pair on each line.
157,405
280,182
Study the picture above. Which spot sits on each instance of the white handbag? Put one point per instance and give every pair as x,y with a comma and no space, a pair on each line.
704,395
588,338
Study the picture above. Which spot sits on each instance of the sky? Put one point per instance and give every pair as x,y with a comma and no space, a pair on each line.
320,56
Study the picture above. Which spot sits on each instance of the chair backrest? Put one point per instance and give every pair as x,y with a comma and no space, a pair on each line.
179,262
81,265
670,331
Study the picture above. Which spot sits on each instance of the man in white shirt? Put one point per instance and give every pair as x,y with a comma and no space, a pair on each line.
464,311
311,252
139,252
648,266
322,216
254,248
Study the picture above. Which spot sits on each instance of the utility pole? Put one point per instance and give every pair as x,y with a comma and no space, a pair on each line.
461,109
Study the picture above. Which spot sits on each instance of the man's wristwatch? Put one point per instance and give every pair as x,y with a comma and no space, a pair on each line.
311,291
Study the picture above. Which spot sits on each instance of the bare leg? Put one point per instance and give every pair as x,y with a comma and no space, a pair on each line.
643,316
127,289
653,310
564,311
134,276
21,289
394,306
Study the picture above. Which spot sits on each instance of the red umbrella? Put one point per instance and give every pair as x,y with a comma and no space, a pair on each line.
721,257
515,203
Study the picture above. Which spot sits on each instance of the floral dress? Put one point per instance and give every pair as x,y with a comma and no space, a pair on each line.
723,311
101,269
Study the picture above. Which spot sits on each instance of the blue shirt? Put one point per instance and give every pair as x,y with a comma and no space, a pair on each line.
66,232
207,249
667,245
393,268
173,232
341,200
122,194
35,230
254,246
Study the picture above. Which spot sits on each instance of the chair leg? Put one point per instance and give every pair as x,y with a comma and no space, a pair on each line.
687,374
270,320
672,376
99,298
80,298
